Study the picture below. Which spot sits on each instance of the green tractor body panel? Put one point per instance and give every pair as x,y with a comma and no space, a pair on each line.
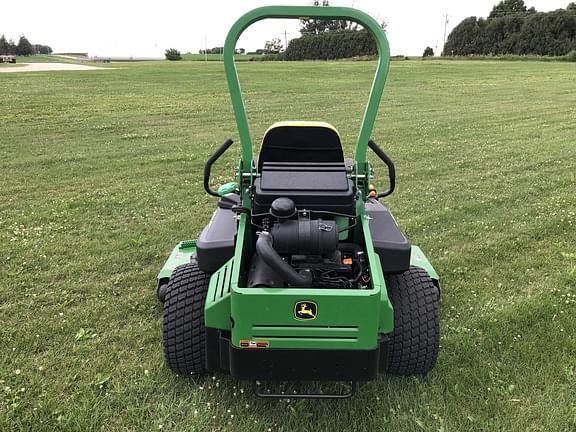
217,309
418,259
343,319
180,255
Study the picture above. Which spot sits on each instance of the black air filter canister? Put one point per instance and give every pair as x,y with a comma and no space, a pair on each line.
305,237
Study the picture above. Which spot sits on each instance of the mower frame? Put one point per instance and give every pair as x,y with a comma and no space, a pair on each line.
354,324
246,169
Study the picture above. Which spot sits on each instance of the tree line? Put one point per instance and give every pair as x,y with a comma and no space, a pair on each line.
331,45
512,28
22,48
323,39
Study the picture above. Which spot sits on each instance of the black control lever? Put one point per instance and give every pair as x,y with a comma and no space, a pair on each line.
210,162
391,169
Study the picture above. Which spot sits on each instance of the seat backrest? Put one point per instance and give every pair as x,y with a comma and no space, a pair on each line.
300,142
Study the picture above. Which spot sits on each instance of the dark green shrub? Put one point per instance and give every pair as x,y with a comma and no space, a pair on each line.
428,52
172,54
331,46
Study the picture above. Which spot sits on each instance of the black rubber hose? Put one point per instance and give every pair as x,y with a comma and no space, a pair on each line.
275,262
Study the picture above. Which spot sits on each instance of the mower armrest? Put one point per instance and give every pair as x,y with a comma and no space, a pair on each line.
210,162
391,169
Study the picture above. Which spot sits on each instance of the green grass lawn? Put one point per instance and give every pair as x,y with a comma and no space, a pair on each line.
101,175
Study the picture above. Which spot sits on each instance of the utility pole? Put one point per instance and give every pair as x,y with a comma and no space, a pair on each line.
285,40
445,25
205,50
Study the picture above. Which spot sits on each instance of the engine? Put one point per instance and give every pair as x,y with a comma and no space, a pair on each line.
302,249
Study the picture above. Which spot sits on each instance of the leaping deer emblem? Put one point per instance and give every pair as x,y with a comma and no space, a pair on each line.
304,311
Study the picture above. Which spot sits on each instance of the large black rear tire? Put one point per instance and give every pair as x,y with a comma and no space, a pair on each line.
414,344
183,330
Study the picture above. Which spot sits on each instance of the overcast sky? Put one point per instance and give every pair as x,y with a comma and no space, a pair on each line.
146,28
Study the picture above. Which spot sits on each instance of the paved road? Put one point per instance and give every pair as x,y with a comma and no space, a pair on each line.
40,67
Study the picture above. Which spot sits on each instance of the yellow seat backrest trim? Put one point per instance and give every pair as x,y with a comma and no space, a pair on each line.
302,123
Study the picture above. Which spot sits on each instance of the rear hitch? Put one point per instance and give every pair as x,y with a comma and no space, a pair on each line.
267,394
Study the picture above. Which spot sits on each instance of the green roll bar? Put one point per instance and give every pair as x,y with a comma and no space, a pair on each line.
307,12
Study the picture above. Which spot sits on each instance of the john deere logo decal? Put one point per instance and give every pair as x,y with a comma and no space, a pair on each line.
305,310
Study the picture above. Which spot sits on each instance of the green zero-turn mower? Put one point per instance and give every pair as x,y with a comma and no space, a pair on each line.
301,274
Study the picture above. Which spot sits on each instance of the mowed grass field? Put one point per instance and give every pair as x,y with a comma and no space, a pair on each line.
101,174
